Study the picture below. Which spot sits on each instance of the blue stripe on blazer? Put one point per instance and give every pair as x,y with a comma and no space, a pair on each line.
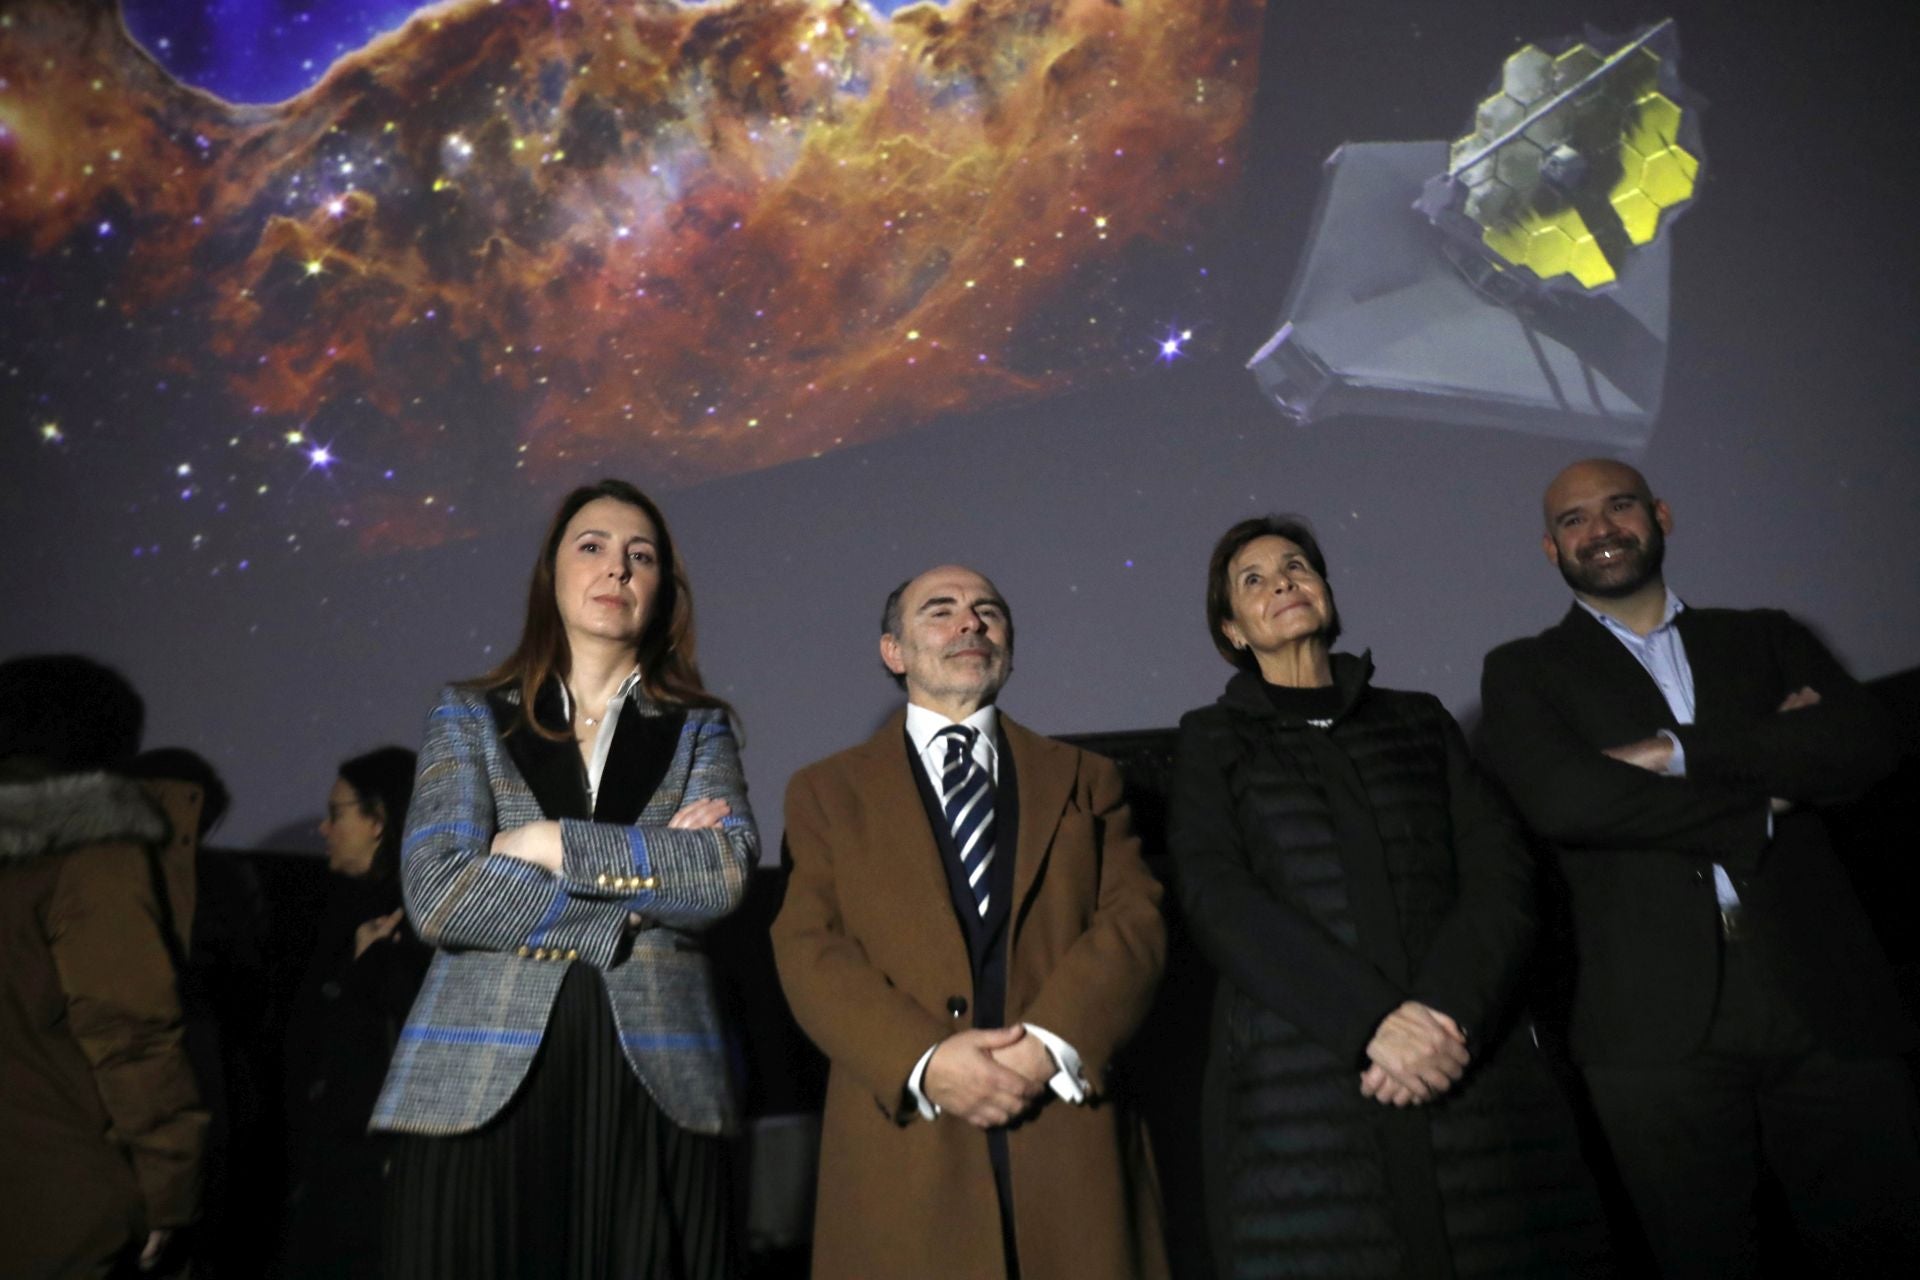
505,930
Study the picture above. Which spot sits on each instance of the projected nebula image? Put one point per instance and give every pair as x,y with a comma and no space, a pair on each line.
310,309
266,269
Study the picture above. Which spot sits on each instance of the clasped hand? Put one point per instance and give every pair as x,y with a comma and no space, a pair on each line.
988,1078
376,929
1416,1054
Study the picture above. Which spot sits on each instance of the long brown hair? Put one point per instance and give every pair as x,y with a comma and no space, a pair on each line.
668,670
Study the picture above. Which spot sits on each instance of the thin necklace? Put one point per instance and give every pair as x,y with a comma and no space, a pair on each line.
590,721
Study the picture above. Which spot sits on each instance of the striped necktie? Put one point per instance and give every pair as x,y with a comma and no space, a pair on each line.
967,796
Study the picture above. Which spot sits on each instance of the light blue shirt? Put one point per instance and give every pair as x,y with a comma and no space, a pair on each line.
1664,656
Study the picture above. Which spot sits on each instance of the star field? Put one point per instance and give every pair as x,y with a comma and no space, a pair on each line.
485,247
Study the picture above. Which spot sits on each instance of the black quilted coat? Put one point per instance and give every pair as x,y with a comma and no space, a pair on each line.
1427,895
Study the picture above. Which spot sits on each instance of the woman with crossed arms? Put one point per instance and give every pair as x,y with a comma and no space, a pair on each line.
580,818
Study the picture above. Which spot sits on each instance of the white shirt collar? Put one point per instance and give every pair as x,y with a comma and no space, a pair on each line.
925,724
609,719
625,690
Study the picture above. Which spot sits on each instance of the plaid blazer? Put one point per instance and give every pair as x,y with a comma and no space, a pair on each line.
506,930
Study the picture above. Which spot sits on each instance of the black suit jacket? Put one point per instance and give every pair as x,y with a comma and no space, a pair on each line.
1637,849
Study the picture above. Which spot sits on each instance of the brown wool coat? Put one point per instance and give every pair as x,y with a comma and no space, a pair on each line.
100,1121
869,953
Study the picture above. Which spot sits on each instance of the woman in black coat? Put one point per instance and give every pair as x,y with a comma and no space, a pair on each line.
366,968
1372,1110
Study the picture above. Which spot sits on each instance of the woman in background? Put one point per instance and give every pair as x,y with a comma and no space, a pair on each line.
366,968
580,820
1371,1109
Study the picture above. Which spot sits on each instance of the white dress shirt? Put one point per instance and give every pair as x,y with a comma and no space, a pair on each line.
923,730
603,737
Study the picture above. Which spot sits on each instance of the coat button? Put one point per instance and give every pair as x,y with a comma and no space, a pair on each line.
646,882
604,878
525,952
956,1005
572,953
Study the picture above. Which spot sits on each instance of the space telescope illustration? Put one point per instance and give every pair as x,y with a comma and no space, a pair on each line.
1517,277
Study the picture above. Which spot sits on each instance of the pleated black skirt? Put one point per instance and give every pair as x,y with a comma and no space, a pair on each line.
581,1176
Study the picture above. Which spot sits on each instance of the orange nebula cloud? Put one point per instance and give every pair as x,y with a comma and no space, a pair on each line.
687,242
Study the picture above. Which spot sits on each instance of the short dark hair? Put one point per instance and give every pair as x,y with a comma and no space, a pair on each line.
1294,529
891,623
177,764
382,782
65,713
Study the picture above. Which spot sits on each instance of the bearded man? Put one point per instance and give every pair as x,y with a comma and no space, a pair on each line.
1732,1012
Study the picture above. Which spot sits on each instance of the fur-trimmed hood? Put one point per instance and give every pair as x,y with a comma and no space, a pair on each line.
54,815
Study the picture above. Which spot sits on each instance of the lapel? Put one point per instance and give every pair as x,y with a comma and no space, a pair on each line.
1046,772
643,750
903,841
1603,671
552,769
1718,695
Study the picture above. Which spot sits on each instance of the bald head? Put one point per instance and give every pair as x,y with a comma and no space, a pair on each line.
947,637
1590,476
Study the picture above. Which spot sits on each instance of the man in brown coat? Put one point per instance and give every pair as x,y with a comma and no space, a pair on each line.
100,1121
969,934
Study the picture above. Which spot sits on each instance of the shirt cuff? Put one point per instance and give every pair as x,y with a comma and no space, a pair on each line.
1068,1083
1677,762
923,1104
